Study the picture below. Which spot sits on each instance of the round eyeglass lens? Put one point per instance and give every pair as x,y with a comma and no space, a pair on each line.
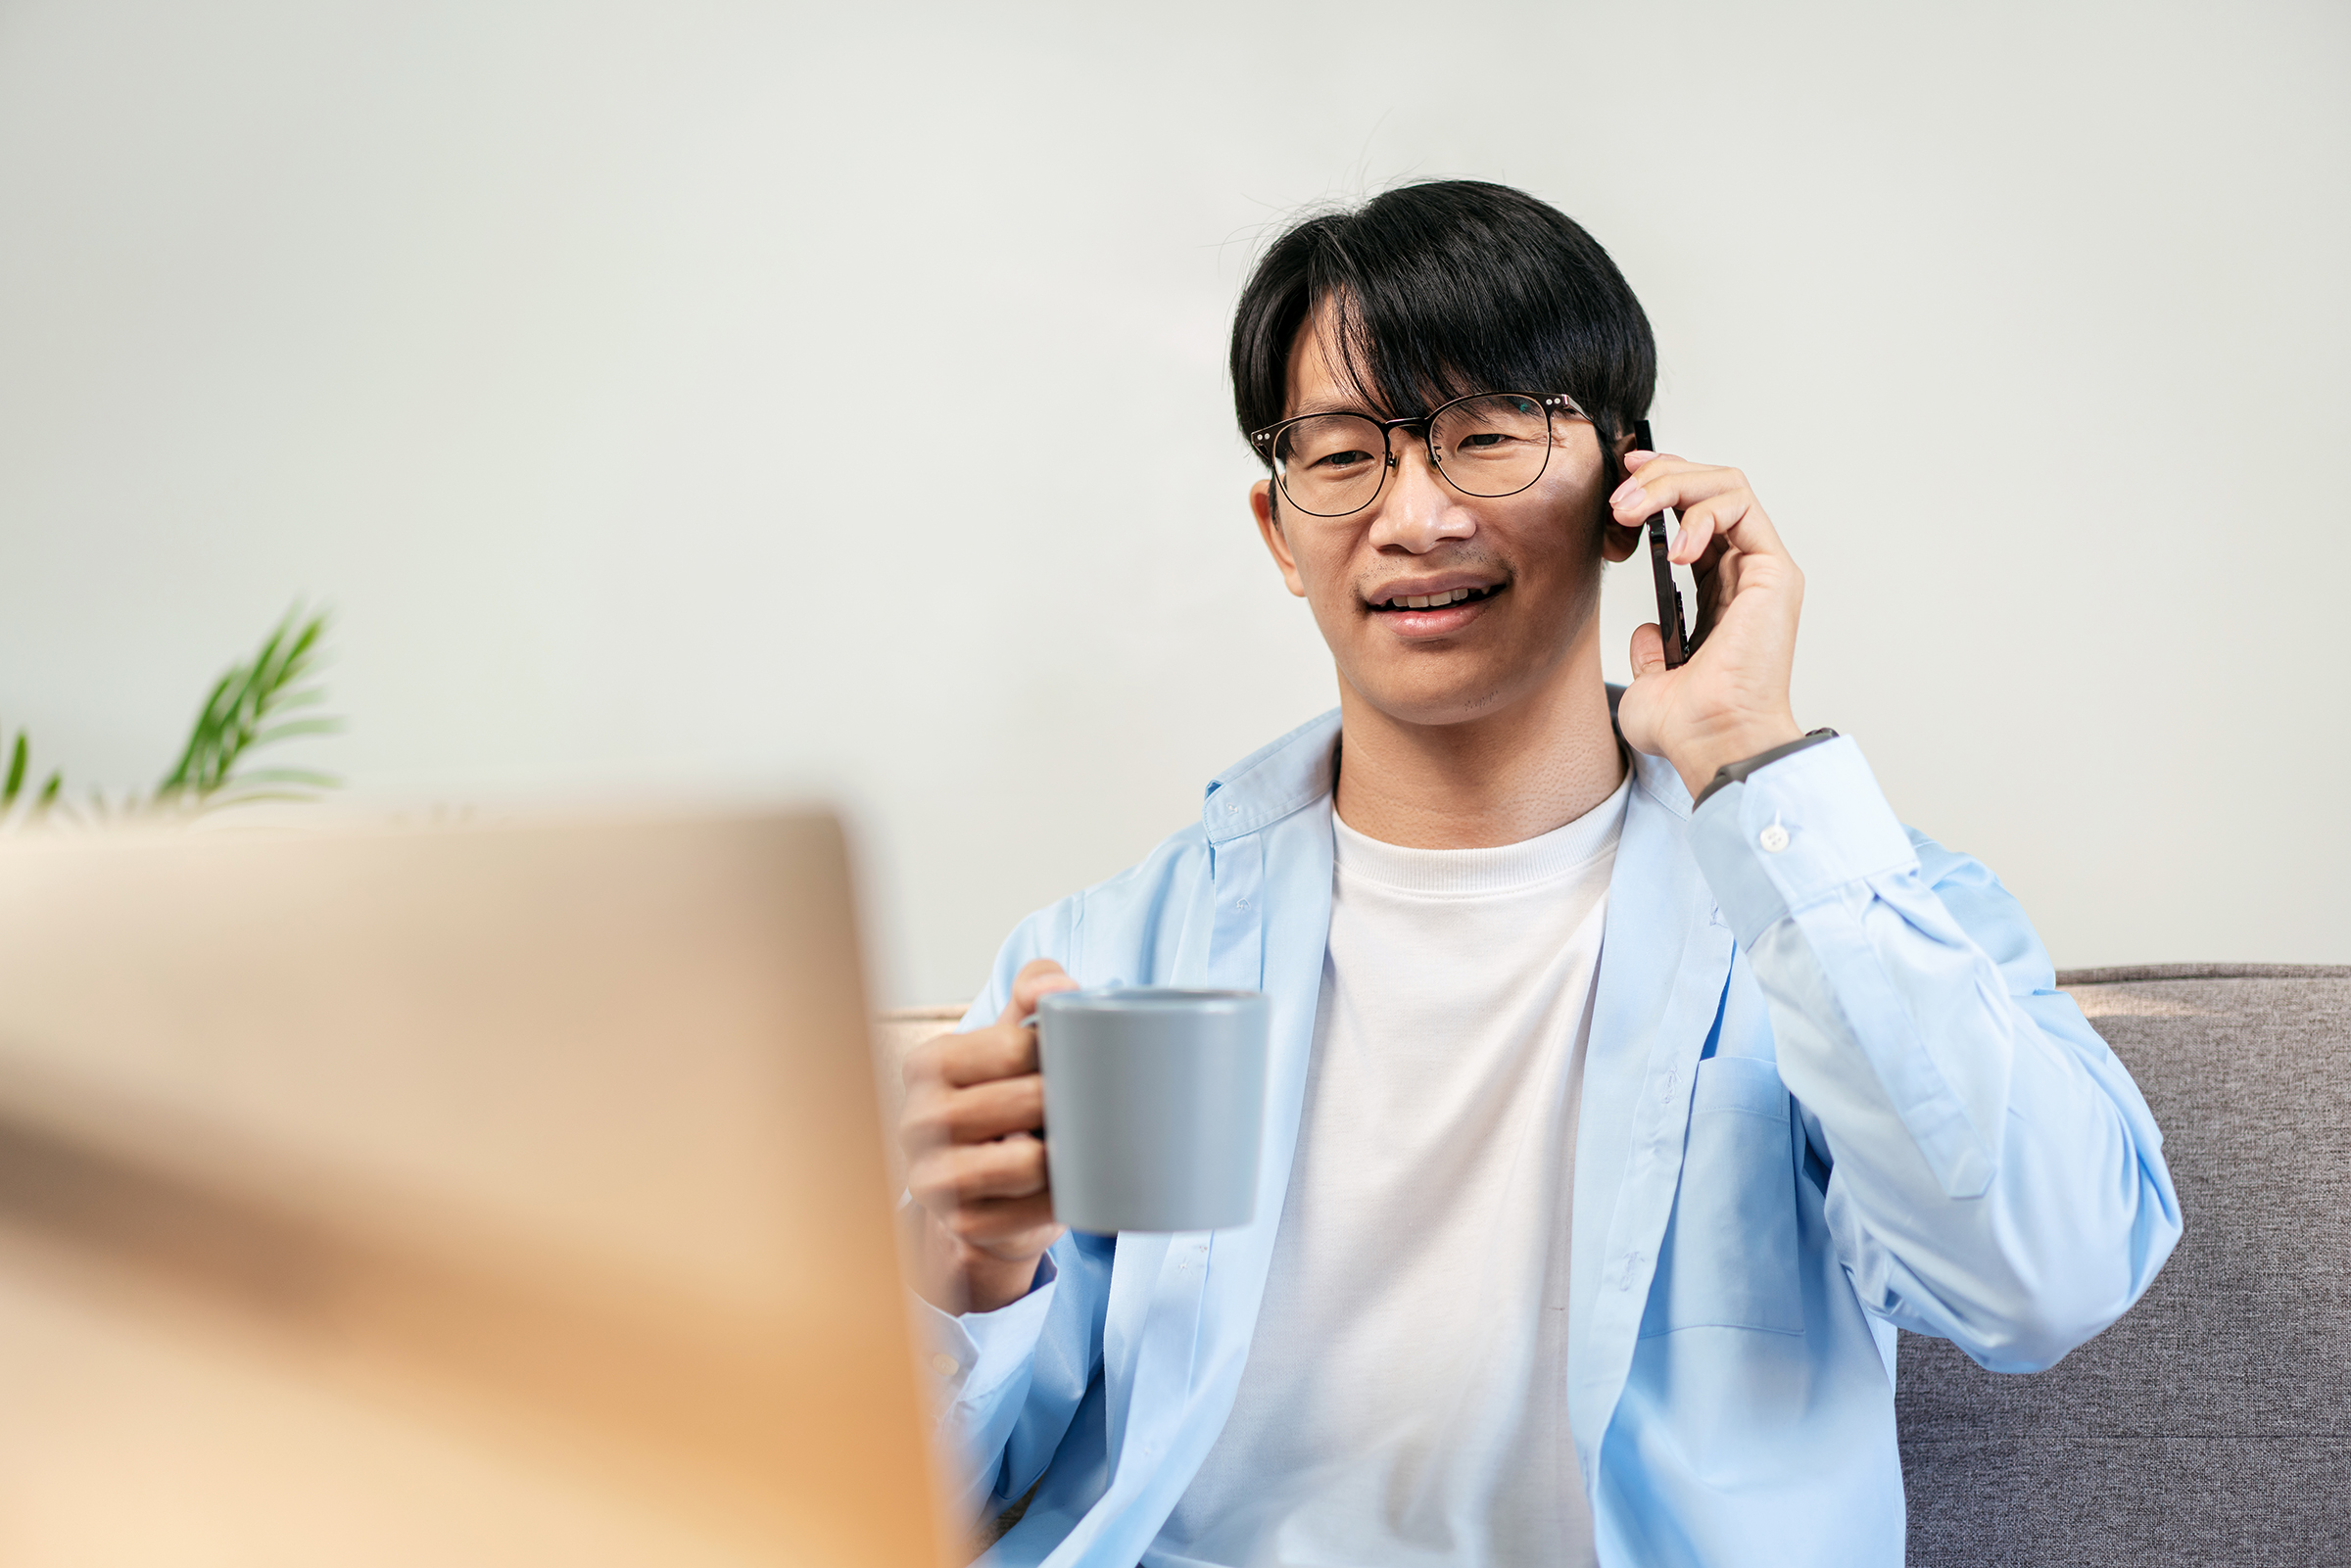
1331,465
1493,445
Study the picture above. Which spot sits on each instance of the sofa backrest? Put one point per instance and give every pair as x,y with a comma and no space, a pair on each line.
2211,1425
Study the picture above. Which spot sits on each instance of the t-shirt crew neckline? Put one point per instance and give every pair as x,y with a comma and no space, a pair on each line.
1482,873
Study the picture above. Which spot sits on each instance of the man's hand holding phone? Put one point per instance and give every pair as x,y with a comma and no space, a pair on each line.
1729,701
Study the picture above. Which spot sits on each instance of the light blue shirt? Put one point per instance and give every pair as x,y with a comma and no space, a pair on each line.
1831,1091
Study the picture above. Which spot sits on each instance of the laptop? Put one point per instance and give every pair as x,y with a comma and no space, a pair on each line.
450,1195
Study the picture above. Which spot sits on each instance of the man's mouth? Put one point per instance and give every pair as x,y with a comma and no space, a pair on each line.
1438,601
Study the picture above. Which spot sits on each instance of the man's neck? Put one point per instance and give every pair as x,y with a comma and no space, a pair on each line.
1501,779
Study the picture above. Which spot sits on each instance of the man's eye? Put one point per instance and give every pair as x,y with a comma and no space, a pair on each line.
1342,460
1482,440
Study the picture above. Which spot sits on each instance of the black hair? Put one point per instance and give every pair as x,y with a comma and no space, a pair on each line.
1444,289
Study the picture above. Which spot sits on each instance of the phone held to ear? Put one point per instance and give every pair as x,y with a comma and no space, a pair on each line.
1679,643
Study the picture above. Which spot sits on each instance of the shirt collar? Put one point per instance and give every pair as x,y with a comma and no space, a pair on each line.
1300,768
1273,781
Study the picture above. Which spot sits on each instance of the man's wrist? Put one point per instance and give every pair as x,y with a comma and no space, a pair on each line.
990,1285
1697,764
957,1277
1733,772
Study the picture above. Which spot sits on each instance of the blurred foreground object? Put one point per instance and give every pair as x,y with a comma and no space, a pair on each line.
452,1197
269,699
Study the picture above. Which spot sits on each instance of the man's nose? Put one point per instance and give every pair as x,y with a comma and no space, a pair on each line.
1419,509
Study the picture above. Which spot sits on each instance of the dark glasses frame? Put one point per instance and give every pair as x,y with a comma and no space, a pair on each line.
1680,637
1551,404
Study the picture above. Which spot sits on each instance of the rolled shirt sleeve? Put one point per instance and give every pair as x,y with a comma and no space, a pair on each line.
978,1364
1995,1178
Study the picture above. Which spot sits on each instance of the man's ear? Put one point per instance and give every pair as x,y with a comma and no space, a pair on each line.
1261,503
1617,543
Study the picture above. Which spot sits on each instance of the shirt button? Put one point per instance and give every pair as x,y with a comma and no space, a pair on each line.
1773,839
946,1366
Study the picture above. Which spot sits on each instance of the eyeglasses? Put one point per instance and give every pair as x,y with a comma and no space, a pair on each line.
1488,444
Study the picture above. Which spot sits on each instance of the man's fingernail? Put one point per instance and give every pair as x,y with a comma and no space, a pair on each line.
1634,459
1673,540
1630,496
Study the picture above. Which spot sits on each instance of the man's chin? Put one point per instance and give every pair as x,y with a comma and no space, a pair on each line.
1462,694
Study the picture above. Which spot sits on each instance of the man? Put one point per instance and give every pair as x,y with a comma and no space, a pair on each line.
1611,1138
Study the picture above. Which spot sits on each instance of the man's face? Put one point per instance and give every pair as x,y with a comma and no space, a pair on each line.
1531,563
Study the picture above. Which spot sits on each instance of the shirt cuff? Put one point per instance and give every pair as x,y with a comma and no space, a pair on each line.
972,1354
1793,832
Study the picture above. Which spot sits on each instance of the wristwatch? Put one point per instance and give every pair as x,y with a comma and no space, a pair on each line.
1733,772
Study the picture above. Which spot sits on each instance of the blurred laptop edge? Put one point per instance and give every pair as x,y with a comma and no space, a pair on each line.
450,1195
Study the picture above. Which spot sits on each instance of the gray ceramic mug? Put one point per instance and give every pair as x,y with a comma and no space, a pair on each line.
1155,1100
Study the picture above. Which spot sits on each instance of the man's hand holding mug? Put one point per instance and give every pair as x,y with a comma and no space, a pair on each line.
975,1105
1155,1100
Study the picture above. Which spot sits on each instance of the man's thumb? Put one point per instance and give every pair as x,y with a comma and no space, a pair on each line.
1648,650
1039,976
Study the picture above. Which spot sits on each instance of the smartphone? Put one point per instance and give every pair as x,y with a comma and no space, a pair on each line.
1671,624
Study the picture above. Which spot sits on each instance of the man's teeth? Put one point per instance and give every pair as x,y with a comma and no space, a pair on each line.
1429,601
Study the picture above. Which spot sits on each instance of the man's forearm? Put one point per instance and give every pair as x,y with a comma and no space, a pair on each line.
1975,1134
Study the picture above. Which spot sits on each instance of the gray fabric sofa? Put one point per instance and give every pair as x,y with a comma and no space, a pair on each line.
2211,1425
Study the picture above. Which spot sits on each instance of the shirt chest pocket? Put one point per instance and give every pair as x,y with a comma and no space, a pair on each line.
1729,1257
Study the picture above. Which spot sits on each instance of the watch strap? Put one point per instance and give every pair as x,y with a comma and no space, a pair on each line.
1733,772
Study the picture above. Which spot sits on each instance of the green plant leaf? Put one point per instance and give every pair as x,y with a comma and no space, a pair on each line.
272,698
296,727
290,776
202,741
248,708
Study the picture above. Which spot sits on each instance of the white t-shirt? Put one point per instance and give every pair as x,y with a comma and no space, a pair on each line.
1406,1395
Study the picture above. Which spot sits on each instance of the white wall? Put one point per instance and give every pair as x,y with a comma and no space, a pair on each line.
667,398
